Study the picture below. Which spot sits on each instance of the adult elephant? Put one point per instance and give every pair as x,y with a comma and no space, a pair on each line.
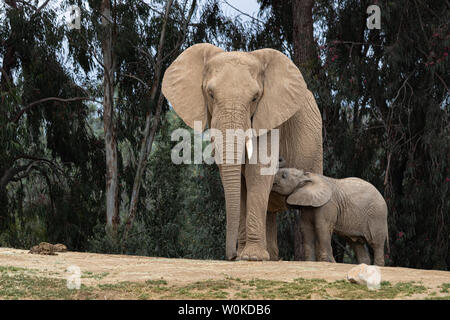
262,89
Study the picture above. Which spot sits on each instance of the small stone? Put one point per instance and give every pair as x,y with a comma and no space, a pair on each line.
34,249
365,275
59,247
44,248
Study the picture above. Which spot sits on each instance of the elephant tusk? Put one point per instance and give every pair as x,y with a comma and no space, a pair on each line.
213,149
249,146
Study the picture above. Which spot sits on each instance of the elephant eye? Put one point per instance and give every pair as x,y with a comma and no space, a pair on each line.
211,94
284,176
255,98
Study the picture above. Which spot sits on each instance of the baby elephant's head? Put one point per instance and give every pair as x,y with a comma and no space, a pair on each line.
288,179
302,188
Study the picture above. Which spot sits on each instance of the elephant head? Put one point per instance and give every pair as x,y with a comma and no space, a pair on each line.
302,188
233,90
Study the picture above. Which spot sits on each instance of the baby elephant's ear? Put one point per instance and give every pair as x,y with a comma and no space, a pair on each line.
315,193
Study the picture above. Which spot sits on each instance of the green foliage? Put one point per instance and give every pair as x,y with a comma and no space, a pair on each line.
180,216
385,107
204,235
51,166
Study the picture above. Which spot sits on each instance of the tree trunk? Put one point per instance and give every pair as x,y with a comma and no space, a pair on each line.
304,46
112,182
304,55
146,148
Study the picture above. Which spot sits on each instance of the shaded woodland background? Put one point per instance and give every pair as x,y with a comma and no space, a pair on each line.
85,131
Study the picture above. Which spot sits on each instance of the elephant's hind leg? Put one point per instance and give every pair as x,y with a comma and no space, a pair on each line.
242,219
362,254
378,253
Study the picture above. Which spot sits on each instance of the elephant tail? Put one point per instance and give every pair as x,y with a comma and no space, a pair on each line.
387,243
387,231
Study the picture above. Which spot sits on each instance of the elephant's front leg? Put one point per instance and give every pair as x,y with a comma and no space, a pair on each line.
324,225
307,220
258,190
271,235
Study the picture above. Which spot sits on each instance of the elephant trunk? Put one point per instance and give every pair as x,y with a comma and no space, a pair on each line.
231,180
232,151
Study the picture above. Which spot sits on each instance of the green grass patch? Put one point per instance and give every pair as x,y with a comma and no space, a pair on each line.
5,269
159,282
351,291
96,276
445,288
21,286
20,283
438,298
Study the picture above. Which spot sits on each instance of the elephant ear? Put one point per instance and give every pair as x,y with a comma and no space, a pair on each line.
285,90
315,193
182,83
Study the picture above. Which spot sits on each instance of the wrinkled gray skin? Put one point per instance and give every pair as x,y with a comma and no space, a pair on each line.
351,207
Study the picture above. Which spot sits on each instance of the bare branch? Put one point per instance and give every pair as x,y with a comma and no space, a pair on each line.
41,7
442,80
43,160
148,56
29,106
136,78
402,86
162,13
26,173
243,13
184,32
9,174
152,8
356,43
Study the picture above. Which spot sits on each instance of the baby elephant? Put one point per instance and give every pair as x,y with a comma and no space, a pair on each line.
351,207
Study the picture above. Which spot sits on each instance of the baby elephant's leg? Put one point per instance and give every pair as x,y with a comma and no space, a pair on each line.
308,233
324,224
378,252
362,254
325,251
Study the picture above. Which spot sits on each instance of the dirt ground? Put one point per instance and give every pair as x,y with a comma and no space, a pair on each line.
117,268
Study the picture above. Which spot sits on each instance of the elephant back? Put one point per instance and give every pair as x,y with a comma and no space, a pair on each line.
362,208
